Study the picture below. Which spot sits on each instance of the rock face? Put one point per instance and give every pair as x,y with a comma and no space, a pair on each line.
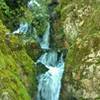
82,29
81,76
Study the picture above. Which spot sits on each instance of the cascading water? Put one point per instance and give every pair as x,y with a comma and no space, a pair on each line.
23,28
49,83
32,2
44,42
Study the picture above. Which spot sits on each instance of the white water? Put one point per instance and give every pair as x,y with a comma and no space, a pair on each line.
48,59
32,3
49,83
44,42
23,28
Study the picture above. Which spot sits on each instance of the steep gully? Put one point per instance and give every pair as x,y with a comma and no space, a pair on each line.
49,83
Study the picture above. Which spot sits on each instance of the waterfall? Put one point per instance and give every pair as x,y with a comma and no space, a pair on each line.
44,42
31,4
23,28
49,83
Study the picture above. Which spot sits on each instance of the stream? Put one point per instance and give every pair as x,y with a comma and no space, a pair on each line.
49,83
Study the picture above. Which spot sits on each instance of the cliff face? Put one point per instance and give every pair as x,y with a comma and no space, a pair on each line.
82,29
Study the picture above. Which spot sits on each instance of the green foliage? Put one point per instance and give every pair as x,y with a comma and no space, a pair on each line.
17,70
10,12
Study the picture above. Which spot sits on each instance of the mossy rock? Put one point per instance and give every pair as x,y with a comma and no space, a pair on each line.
80,17
20,64
81,79
15,61
11,88
82,70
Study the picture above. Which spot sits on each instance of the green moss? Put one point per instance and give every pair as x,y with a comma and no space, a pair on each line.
16,68
11,87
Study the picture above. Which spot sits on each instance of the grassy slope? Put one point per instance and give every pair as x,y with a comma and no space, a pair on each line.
17,70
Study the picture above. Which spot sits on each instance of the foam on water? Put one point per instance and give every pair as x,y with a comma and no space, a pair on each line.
23,28
32,3
49,83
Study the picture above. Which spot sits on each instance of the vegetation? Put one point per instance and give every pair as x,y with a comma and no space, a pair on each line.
17,70
76,26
